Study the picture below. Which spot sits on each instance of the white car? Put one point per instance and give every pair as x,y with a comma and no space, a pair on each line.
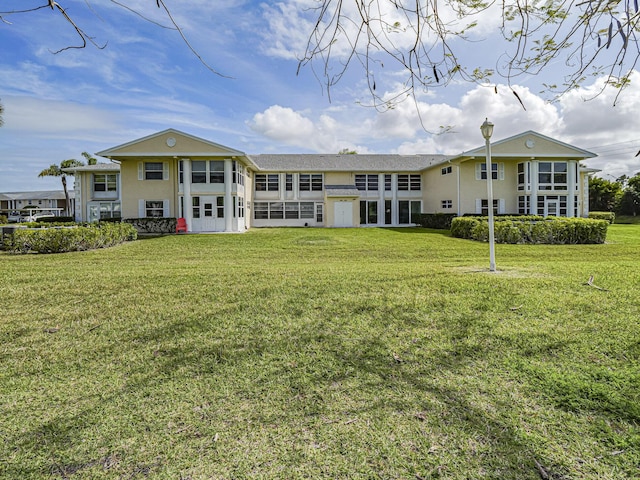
14,217
36,217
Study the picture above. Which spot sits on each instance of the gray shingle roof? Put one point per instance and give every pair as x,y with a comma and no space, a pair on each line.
345,163
98,167
37,195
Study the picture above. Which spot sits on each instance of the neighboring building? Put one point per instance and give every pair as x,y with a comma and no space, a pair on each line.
97,191
49,200
220,189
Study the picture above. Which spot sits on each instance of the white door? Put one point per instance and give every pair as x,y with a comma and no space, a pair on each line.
551,208
343,214
208,214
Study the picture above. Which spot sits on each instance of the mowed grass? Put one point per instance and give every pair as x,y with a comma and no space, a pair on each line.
314,353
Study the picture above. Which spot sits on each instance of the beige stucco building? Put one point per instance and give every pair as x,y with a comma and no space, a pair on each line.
220,189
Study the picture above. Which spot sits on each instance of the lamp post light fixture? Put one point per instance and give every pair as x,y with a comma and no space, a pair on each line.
487,130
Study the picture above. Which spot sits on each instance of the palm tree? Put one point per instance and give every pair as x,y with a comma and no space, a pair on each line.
1,112
58,171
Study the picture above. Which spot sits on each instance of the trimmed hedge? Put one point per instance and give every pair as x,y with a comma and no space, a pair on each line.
69,239
608,216
439,221
153,224
535,230
3,219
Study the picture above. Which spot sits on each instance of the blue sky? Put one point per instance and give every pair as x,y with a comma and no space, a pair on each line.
146,80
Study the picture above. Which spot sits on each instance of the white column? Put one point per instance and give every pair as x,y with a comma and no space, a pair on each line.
533,199
571,187
186,192
228,201
381,199
394,199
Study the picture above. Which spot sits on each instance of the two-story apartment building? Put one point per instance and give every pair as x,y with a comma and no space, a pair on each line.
220,189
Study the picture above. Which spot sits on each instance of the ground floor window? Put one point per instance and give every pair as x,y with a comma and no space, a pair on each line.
547,205
153,208
484,206
280,210
388,214
447,204
409,211
102,210
238,210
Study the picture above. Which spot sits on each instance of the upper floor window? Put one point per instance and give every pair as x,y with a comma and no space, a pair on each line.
267,182
105,182
367,182
153,171
552,175
199,171
216,171
497,171
409,182
288,182
447,170
238,173
387,182
310,182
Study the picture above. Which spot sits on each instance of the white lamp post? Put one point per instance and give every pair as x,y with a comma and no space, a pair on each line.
487,130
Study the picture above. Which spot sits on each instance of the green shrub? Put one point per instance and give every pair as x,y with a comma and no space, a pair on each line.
440,221
536,230
3,219
461,227
70,238
608,216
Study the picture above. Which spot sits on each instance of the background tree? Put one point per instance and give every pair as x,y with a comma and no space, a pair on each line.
58,171
1,114
603,194
630,200
347,151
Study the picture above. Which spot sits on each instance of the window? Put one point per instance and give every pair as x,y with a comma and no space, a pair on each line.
261,210
524,204
238,173
153,171
216,171
103,182
552,176
284,210
310,182
387,212
484,206
288,182
199,171
291,210
238,211
552,205
446,204
319,212
447,170
387,182
522,176
154,208
409,182
409,211
306,210
220,207
195,201
366,182
368,212
267,182
483,171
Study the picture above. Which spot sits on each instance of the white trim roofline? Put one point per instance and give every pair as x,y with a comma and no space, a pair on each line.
480,151
113,151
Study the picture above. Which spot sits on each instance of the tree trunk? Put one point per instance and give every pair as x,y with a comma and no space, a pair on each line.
66,196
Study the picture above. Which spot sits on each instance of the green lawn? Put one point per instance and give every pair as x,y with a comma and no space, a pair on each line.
314,353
